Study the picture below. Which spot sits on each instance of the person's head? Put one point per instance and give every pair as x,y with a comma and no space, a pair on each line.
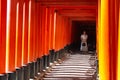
84,32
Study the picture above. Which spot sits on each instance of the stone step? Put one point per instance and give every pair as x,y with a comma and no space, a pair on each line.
72,66
69,71
67,78
75,67
77,73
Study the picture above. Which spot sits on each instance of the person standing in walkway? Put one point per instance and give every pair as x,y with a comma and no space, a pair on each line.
84,46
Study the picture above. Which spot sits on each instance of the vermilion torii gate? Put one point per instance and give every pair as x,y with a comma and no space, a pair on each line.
29,29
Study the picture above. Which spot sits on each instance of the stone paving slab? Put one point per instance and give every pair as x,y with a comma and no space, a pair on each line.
75,67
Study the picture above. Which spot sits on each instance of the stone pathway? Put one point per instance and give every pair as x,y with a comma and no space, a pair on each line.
75,67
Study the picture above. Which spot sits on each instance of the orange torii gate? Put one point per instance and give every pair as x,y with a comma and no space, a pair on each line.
29,31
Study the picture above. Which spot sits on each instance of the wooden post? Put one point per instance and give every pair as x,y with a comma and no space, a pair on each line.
3,11
103,33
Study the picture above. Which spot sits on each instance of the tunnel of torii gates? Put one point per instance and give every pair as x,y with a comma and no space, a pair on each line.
30,29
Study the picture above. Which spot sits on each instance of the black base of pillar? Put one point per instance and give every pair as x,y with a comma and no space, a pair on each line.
56,56
44,62
32,70
48,60
12,76
36,66
19,74
41,64
3,77
26,72
52,56
60,54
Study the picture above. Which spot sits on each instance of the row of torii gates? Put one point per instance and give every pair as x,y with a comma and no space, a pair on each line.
31,29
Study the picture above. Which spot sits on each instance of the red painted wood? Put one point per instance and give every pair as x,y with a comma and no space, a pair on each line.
25,35
52,28
56,33
39,31
31,32
37,12
3,11
62,33
34,31
59,33
69,25
43,30
0,26
1,44
40,34
67,3
49,30
12,34
113,32
19,37
46,31
38,27
40,39
60,25
0,29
